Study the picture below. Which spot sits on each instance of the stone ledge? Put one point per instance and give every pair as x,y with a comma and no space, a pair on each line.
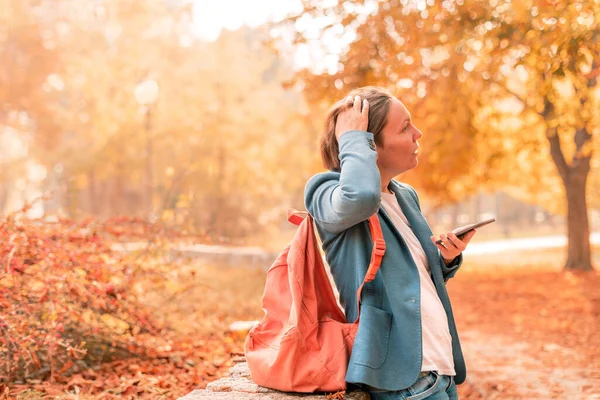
239,386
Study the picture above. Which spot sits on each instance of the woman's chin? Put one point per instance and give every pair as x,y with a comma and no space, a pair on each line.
407,168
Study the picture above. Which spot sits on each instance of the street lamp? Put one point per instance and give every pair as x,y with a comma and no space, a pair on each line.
146,94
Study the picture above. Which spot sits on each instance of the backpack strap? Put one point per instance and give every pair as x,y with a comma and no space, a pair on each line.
378,247
296,217
376,257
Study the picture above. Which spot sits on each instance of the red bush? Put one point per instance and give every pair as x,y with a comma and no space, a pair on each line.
67,301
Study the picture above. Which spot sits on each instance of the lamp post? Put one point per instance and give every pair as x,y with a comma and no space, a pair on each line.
146,94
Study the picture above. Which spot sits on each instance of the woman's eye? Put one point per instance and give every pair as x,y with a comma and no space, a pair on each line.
405,128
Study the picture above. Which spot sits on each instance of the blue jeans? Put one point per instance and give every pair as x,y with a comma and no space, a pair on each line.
429,387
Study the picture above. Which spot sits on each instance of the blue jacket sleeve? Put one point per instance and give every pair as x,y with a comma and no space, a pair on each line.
339,200
448,271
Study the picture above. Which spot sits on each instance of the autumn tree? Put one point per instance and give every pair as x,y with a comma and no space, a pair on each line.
220,148
502,89
29,58
27,62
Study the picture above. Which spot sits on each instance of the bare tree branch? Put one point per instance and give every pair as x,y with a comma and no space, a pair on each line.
557,154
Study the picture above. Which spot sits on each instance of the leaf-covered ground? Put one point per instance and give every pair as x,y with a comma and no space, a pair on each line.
530,333
525,330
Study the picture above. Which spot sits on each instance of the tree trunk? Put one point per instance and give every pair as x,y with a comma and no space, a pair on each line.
149,199
579,255
92,192
121,204
574,178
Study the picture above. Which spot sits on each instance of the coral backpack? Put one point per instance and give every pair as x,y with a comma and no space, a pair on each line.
303,343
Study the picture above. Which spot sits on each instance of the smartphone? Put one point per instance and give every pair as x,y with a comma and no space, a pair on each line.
463,230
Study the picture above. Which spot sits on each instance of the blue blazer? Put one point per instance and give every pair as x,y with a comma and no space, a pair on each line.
387,352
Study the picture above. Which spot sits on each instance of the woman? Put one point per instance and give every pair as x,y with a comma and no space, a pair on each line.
406,346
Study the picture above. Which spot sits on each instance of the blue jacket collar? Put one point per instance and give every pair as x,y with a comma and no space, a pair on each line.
419,225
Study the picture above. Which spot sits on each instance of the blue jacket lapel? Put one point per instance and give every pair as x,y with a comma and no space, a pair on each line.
417,222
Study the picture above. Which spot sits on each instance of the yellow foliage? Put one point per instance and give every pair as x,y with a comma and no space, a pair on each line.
515,75
114,323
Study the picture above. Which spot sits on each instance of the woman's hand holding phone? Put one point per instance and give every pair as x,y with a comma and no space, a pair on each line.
457,240
451,246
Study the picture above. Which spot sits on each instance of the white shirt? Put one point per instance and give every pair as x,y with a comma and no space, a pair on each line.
437,342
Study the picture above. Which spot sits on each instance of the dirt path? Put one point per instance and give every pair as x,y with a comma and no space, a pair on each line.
499,368
529,332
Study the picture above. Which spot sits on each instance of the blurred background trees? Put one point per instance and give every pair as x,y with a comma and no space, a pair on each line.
118,108
126,112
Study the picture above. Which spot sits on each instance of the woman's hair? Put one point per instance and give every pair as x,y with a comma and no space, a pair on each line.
379,105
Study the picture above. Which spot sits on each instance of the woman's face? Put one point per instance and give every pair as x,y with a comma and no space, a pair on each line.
399,151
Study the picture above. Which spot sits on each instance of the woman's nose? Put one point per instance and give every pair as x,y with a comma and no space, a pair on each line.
418,134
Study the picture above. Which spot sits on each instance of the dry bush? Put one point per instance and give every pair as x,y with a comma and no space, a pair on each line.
68,302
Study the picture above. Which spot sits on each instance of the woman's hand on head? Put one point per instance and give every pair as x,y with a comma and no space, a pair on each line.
355,116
